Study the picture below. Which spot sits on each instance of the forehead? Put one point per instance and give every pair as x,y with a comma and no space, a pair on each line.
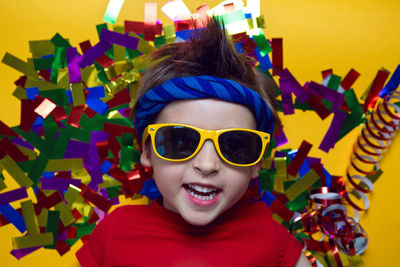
207,113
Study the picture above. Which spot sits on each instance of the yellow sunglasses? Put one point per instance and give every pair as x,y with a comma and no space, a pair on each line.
179,142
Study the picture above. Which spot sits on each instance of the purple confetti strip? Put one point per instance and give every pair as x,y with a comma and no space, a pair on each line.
280,138
60,184
77,148
37,130
74,71
91,160
19,141
288,83
19,253
332,134
103,192
63,235
93,53
280,154
312,161
119,39
123,111
326,93
287,103
253,55
13,195
114,200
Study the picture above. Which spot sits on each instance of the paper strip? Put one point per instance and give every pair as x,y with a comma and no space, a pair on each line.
392,84
350,78
113,9
298,160
15,171
301,185
277,57
20,65
13,217
332,134
64,164
13,195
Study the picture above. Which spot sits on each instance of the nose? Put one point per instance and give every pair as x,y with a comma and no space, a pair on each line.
207,161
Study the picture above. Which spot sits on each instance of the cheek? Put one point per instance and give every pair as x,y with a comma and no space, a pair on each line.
167,174
238,179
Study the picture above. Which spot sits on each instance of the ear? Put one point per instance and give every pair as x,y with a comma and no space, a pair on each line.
145,157
254,170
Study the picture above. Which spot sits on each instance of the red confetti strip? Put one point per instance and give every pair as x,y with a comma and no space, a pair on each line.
89,112
62,247
349,80
72,232
114,145
76,214
93,218
138,27
47,202
12,150
150,21
280,209
318,169
94,198
298,160
326,73
116,130
122,97
59,114
316,104
5,130
75,116
45,74
28,116
21,81
376,87
277,56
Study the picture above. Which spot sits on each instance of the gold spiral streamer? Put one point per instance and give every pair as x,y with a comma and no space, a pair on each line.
376,136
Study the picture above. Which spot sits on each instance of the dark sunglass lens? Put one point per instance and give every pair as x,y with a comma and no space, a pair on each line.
240,147
176,142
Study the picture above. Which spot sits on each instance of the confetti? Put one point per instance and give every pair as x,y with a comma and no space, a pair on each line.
112,12
76,146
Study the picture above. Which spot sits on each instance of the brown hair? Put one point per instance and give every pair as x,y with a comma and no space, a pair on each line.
208,52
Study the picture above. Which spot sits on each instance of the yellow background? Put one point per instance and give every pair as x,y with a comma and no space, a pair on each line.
317,35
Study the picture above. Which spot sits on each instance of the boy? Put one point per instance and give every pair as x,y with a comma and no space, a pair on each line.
204,133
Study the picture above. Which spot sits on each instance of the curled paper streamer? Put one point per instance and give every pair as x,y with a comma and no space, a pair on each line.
329,218
375,138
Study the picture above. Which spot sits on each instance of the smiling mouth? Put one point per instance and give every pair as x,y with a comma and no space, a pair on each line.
201,192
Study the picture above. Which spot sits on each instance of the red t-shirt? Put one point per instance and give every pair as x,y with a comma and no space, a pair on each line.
139,235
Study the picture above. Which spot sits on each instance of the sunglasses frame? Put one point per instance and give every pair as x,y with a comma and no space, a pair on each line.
213,135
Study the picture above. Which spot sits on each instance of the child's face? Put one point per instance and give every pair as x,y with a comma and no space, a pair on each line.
206,170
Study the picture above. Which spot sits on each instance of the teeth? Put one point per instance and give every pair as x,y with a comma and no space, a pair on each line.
202,197
202,189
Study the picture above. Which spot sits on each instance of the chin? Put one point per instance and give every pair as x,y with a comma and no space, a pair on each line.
199,220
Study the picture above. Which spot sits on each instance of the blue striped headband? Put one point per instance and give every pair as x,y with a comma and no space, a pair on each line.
199,87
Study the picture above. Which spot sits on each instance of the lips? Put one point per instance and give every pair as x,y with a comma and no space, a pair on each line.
202,195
